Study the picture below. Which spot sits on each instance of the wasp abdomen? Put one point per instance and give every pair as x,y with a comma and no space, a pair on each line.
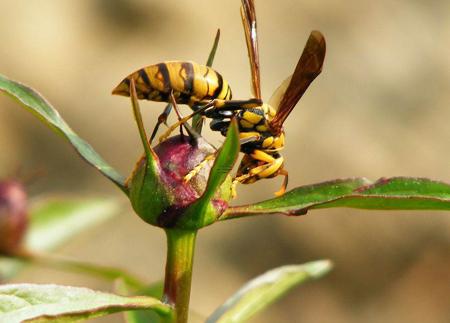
191,83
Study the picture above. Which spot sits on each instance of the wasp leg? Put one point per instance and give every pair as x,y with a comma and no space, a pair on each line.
185,119
177,111
202,164
211,105
197,168
282,190
161,119
272,166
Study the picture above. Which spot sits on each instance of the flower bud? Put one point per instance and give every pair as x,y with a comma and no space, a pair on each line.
160,195
13,216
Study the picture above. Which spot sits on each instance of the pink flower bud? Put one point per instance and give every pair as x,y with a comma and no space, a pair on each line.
13,216
162,198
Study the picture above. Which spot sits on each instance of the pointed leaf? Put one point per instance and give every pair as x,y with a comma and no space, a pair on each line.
32,302
37,105
396,193
264,290
54,221
212,53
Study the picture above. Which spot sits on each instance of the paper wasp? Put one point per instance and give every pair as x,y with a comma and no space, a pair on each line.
261,127
189,82
198,86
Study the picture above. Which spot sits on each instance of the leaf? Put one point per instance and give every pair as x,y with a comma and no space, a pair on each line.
54,221
42,303
396,193
212,53
141,316
264,290
41,108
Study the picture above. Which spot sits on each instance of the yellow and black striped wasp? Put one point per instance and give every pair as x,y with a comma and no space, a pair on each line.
180,82
261,127
188,82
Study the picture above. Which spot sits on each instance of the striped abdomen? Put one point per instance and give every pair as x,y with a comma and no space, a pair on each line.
190,82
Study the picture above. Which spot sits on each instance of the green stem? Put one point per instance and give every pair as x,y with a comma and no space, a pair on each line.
177,284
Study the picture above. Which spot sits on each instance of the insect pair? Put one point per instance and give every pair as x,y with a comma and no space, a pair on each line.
209,94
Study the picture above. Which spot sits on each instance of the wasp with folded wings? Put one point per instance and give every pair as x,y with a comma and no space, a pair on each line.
261,127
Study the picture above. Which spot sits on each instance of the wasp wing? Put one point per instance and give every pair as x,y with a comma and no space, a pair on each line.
248,15
308,68
278,94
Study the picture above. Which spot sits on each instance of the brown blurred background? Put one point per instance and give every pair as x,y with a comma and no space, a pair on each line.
381,107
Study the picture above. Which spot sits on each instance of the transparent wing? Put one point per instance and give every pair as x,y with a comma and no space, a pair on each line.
278,94
308,68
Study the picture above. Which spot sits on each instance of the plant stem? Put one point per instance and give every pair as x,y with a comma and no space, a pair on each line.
177,284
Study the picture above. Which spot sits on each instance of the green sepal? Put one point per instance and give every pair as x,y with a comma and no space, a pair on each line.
206,209
147,193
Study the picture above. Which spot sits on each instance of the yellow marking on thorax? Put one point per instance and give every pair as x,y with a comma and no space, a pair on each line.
245,124
262,127
244,135
252,117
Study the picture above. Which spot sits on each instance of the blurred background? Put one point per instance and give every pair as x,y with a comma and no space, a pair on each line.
381,107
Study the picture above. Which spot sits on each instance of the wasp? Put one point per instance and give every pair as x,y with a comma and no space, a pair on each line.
190,83
181,82
261,126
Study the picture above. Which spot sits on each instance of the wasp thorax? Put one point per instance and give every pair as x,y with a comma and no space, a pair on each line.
182,171
13,216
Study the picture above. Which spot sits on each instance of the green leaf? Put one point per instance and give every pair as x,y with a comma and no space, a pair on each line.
224,162
212,53
264,290
396,193
142,316
39,106
42,303
54,221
